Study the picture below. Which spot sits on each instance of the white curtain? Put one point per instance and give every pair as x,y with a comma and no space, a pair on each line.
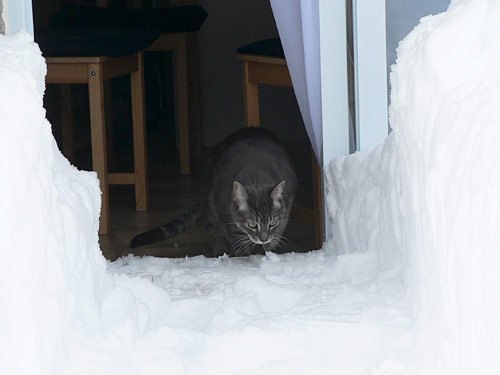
298,27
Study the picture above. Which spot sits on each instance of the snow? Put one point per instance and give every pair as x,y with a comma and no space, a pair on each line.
281,314
427,199
446,90
51,264
406,284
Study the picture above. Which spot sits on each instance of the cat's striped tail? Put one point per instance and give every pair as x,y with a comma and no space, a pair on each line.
179,225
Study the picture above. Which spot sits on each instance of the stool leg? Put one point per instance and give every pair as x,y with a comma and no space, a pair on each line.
139,131
251,98
98,138
68,135
181,98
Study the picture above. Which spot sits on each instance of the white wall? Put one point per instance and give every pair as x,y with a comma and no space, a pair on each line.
231,24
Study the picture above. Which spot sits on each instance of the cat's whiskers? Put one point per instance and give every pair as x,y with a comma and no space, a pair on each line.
274,242
239,245
288,243
239,241
245,247
242,249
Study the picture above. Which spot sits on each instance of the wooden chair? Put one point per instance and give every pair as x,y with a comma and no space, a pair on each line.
265,64
177,27
94,71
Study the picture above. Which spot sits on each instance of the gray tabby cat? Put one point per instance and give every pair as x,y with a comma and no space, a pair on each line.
247,190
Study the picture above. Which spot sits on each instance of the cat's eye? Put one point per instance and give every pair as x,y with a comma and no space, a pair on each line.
273,223
252,224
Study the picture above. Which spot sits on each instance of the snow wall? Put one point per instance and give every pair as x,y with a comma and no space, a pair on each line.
428,199
52,269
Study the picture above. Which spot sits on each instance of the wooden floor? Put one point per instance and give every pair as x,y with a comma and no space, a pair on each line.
170,195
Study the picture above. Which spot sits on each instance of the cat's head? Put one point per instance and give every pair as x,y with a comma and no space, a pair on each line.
260,214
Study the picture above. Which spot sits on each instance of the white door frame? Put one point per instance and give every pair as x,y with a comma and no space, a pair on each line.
334,90
333,61
370,78
370,72
17,15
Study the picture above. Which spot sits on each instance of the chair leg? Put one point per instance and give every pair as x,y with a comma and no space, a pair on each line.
108,105
139,131
68,136
181,98
98,139
251,98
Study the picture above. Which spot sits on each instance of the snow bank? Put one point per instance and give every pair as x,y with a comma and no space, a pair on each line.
428,198
51,268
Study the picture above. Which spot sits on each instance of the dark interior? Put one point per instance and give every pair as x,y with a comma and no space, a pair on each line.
170,192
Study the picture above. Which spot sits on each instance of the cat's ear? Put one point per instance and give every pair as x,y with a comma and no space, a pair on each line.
240,196
277,194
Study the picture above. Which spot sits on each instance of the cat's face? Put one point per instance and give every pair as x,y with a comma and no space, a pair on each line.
261,215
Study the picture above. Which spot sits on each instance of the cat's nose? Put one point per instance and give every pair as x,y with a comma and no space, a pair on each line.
264,236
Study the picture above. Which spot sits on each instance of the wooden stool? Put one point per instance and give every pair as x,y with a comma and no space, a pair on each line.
272,70
94,71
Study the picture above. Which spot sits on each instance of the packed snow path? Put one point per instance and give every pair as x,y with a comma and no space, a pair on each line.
281,314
